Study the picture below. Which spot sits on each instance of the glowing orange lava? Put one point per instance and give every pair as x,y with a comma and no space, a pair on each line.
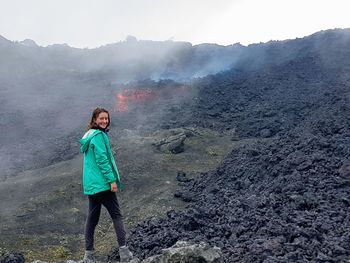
122,105
128,97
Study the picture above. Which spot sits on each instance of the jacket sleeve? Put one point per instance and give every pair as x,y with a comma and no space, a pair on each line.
101,157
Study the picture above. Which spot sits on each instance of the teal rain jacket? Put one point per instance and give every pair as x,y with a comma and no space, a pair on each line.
99,168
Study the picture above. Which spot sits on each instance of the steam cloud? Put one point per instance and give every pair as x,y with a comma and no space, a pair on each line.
47,94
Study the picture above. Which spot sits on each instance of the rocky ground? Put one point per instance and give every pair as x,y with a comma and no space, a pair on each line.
181,252
284,201
43,210
284,198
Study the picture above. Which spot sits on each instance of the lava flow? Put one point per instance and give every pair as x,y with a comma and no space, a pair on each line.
127,97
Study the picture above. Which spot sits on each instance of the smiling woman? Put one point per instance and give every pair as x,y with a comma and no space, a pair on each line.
102,120
101,181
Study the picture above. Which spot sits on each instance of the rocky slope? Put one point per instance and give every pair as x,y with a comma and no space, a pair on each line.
285,198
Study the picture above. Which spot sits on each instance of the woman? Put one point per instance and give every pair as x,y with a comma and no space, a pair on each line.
101,181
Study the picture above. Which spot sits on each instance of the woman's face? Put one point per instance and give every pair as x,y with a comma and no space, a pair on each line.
102,120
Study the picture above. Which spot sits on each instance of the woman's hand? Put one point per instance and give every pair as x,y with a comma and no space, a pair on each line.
114,187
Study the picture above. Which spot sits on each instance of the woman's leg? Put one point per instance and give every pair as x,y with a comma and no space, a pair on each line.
92,220
110,201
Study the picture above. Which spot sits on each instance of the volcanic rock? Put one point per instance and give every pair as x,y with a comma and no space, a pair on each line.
173,144
184,252
12,258
181,177
284,197
344,170
265,133
258,207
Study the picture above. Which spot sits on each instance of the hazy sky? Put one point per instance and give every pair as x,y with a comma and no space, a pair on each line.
92,23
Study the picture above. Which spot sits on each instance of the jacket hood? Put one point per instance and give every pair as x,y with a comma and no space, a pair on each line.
85,141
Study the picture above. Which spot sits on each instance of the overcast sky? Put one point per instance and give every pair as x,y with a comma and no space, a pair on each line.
92,23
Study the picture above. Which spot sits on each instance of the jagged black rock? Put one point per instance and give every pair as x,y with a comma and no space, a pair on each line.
284,198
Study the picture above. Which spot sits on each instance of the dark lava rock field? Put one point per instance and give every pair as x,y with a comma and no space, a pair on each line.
285,198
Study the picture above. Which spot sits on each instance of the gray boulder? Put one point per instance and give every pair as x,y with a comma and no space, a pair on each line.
344,170
184,252
265,133
172,144
12,258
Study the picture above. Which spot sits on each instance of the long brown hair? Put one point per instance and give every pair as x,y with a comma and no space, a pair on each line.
95,113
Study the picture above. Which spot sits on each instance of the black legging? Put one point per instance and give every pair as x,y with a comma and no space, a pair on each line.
109,200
